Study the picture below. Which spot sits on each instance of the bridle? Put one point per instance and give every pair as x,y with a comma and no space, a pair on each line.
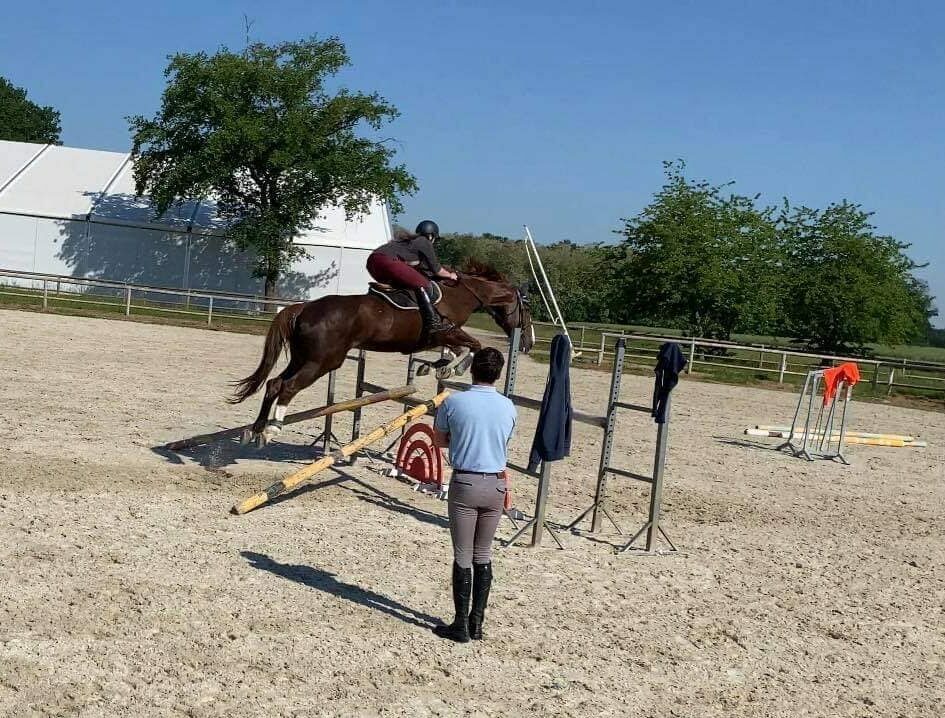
514,317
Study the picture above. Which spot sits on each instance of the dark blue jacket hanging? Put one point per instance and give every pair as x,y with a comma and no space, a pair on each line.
669,363
553,434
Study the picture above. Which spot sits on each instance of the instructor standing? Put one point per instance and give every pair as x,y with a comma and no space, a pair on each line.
476,425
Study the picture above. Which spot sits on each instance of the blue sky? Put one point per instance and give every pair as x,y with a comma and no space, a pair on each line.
558,114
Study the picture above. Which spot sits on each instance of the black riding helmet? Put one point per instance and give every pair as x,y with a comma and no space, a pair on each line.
428,228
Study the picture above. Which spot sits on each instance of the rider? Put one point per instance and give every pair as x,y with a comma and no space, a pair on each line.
408,261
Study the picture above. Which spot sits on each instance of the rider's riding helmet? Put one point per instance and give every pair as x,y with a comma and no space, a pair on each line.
429,229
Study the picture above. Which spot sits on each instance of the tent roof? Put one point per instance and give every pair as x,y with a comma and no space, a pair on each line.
77,184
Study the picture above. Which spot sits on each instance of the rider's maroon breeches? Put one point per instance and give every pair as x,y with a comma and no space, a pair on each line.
389,270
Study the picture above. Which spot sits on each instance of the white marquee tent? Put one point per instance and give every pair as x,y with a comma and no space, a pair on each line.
74,212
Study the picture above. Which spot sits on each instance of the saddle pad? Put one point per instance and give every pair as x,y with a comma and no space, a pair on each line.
403,298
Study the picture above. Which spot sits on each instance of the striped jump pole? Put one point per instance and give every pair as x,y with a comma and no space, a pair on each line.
306,472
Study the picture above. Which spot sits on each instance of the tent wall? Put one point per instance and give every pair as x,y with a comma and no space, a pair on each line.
73,212
167,259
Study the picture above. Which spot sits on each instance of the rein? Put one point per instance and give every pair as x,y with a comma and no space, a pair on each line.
517,308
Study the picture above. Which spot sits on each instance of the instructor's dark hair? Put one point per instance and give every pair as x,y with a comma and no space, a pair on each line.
487,364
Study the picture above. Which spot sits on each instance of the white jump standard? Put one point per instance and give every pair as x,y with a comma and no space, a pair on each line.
817,436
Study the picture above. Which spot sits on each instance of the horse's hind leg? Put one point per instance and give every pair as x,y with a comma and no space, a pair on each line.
273,388
301,379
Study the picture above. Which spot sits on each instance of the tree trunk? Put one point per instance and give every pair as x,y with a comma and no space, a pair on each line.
270,290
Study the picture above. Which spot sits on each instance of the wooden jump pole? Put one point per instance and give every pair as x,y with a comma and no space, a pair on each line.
297,477
350,405
861,440
862,434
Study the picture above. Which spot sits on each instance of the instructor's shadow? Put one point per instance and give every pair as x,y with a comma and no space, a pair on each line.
326,581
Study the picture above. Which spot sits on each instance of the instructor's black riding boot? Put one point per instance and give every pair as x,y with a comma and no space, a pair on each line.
482,582
432,320
458,630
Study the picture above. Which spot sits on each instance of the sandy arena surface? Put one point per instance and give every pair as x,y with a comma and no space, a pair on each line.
803,589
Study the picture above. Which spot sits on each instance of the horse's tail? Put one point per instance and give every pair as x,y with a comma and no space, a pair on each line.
277,337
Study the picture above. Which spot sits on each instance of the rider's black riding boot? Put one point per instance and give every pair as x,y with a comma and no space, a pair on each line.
482,582
458,630
432,320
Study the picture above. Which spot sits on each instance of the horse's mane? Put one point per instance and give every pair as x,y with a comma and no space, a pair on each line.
483,270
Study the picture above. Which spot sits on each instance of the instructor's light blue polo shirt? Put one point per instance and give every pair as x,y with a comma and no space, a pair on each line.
480,423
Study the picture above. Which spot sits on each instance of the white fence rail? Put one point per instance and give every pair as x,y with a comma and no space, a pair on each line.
891,373
133,298
755,359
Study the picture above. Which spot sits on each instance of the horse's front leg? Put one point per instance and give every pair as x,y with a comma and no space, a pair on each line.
463,346
445,358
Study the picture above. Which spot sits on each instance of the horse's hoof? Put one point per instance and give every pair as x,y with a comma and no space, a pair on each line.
464,365
246,437
423,370
444,373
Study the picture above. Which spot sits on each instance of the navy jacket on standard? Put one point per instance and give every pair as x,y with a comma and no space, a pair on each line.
669,363
553,434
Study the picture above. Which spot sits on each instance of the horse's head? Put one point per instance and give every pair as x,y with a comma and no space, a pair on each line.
502,300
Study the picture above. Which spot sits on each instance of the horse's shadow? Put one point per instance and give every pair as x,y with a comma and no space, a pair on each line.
326,581
228,452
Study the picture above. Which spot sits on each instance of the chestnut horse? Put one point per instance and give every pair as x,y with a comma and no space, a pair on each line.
320,333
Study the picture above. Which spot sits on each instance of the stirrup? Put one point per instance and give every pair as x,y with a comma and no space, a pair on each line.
444,325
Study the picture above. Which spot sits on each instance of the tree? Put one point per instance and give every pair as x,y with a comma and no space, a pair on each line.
698,259
936,337
581,278
24,121
578,273
261,133
846,285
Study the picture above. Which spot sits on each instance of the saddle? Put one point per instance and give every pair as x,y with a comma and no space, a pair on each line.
403,298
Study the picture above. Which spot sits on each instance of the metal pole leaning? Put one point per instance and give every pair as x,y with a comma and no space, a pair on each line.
559,317
335,457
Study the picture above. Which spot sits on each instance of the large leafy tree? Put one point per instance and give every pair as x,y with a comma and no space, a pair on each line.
263,134
698,259
846,285
22,120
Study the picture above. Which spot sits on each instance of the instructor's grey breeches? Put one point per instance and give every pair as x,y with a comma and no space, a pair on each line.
475,507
